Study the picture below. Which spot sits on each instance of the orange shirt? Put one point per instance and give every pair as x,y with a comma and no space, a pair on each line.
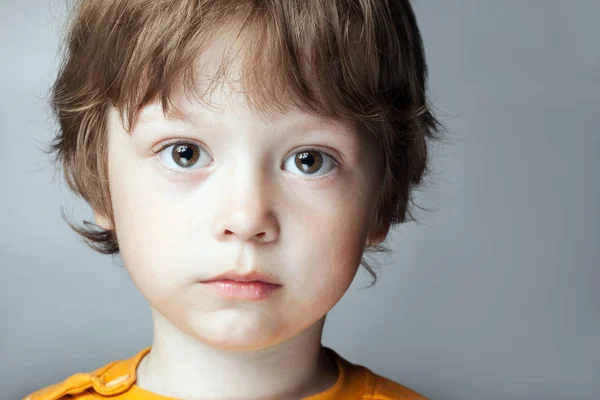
116,381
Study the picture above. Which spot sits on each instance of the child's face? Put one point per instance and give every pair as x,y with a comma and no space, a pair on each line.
245,205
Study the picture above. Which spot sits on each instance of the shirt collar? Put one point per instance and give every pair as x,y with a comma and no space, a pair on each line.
120,377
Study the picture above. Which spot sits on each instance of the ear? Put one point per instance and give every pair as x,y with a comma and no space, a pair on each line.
101,221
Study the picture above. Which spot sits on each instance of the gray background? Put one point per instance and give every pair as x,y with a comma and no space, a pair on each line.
494,295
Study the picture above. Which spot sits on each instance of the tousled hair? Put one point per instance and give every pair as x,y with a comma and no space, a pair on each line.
356,60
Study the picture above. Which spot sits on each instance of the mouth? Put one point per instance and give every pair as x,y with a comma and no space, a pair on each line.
242,290
252,286
249,277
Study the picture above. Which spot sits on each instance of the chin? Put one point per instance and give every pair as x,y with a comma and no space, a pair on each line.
240,334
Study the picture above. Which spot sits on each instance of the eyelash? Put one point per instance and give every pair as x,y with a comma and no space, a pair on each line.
184,173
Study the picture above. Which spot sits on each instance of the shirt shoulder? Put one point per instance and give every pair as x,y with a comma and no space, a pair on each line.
108,381
386,389
76,386
360,383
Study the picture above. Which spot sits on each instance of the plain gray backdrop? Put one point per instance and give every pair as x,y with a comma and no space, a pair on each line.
493,295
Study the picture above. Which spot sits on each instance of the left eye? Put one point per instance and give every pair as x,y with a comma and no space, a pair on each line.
310,162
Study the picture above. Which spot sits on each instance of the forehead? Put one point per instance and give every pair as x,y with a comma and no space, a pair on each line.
212,101
216,93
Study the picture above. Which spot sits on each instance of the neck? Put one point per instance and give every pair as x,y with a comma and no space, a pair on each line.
181,366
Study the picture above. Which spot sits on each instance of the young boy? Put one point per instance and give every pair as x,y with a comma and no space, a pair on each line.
241,156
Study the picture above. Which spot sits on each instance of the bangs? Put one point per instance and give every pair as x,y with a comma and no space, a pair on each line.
308,56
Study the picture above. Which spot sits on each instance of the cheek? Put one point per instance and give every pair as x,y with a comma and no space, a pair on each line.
330,249
145,228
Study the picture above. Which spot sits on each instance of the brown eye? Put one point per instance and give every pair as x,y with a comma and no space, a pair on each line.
310,162
184,155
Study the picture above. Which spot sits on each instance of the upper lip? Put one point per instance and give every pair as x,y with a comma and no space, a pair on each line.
244,277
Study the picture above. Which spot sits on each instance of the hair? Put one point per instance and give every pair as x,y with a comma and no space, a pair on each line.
352,60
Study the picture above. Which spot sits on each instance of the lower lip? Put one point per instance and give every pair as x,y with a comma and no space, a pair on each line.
254,290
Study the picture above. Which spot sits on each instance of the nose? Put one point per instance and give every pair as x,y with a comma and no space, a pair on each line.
245,212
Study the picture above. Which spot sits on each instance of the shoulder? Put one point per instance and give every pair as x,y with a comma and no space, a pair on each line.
108,381
358,381
382,388
74,387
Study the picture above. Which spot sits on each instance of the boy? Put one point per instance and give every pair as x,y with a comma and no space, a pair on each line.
240,156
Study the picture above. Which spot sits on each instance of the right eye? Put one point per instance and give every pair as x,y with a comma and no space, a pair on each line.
181,155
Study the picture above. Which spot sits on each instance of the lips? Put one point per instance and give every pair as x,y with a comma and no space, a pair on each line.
254,290
253,276
252,285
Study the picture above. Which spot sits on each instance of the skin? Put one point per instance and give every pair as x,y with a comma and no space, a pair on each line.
244,205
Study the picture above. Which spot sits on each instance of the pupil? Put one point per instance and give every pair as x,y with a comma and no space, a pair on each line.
307,157
185,152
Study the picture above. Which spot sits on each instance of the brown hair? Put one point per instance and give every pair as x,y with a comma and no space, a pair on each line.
357,60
